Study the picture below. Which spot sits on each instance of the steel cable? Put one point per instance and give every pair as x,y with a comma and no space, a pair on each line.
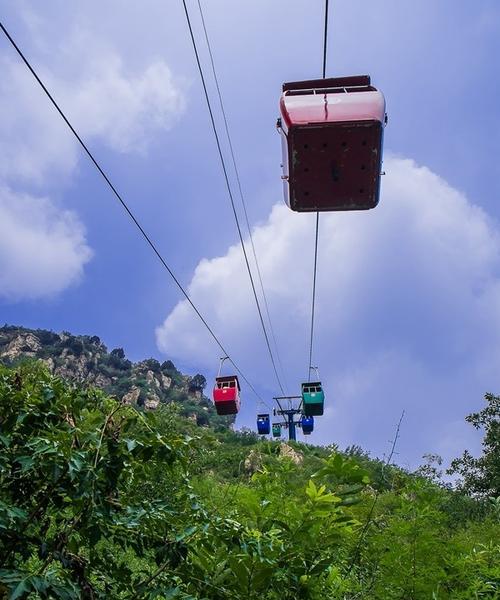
315,267
126,208
228,185
243,203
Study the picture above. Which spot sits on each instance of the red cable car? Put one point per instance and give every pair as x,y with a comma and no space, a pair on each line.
226,395
332,133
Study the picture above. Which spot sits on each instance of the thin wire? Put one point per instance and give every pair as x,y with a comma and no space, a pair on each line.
226,177
377,494
124,205
325,41
313,303
226,126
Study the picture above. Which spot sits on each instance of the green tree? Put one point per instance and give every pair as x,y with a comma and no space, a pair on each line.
92,494
198,382
481,476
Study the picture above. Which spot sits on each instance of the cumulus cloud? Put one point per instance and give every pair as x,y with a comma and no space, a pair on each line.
34,142
407,310
42,249
123,110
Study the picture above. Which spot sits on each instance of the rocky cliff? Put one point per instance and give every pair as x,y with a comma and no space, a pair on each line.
85,359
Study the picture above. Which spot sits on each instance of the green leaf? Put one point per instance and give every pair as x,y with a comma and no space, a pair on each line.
22,588
26,463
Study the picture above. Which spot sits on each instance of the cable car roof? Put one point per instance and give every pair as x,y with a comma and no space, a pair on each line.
224,378
329,83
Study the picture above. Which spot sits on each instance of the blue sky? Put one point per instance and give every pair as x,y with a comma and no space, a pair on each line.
408,294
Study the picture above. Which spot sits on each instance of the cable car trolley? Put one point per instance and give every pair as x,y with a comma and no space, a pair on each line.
332,134
226,393
313,398
307,424
263,424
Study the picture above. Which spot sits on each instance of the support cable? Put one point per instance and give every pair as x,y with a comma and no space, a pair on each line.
124,205
325,39
226,178
315,267
242,198
313,303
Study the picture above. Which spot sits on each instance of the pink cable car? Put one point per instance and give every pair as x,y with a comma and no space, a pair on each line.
332,133
226,395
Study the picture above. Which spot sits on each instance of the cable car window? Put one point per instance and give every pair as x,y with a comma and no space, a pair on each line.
232,384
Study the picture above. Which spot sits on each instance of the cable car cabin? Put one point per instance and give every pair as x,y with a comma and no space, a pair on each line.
263,424
313,398
226,395
307,424
276,430
332,133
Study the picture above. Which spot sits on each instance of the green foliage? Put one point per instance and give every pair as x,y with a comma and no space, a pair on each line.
99,500
481,475
74,469
198,382
85,359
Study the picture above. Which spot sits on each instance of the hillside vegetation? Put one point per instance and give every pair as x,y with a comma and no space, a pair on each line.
103,499
85,360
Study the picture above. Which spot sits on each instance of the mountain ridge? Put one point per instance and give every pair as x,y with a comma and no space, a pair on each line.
85,359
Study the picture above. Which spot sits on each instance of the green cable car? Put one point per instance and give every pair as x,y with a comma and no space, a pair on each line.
313,398
276,430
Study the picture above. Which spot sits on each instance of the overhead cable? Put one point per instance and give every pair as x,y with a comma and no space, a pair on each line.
124,205
315,267
242,198
230,193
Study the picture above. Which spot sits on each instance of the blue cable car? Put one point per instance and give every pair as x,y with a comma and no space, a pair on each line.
307,424
263,424
313,398
276,430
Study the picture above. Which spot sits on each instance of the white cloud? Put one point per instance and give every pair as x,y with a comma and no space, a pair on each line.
42,249
34,142
104,102
122,109
407,310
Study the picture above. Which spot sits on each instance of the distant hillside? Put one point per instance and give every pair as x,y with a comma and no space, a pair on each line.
85,359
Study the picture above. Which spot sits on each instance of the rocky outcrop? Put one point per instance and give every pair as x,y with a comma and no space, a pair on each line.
152,402
22,345
49,363
132,396
166,381
151,379
85,360
286,451
253,462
